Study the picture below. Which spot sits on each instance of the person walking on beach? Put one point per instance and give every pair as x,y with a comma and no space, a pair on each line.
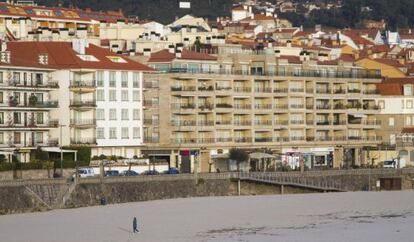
135,225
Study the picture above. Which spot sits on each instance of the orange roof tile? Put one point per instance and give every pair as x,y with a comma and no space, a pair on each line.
62,56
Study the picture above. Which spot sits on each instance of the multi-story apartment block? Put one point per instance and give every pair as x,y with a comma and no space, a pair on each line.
397,119
27,100
99,93
324,112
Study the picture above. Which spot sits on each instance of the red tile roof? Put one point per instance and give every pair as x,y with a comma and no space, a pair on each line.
62,56
394,86
59,13
407,130
389,62
166,56
291,59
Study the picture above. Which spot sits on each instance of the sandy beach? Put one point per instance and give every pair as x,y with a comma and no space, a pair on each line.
358,216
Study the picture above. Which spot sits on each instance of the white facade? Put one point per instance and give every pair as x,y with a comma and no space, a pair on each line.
119,113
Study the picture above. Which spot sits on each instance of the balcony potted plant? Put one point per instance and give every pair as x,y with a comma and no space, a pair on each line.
32,100
13,101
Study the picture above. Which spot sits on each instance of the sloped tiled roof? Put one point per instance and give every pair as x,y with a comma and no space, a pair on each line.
62,56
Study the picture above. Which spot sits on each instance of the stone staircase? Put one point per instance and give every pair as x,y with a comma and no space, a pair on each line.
52,195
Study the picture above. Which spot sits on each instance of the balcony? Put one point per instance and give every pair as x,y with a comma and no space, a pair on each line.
223,122
263,139
323,106
224,140
35,84
297,106
323,122
280,139
224,105
293,89
297,122
371,92
183,106
281,106
309,106
83,103
323,91
340,122
309,90
280,90
354,91
151,139
339,106
183,88
223,88
339,138
370,107
263,90
206,141
323,138
263,122
340,91
281,122
242,106
263,106
183,123
183,141
206,106
205,123
205,88
83,122
150,85
297,138
373,122
242,122
82,84
83,141
243,139
243,89
150,121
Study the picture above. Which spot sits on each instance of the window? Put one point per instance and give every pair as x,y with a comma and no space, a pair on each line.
136,133
100,79
124,95
381,104
39,78
124,79
391,121
135,80
39,97
136,114
112,95
2,118
1,138
392,139
408,90
124,114
39,137
135,96
16,77
39,118
112,114
100,114
16,139
100,95
112,79
100,133
17,118
408,120
1,97
112,133
1,77
410,104
125,133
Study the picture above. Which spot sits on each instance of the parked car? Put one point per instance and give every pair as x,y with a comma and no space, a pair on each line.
151,172
112,173
172,171
84,172
129,173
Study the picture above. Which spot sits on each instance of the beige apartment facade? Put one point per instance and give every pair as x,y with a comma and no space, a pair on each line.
325,112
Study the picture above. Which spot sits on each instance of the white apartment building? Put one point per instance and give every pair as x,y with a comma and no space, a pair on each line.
98,98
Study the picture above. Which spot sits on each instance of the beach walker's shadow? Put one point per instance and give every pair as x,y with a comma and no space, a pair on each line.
125,230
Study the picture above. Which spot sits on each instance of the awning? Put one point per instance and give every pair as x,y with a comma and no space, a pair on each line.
57,150
261,156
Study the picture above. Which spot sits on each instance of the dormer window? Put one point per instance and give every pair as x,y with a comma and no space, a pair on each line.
88,58
43,59
408,90
116,59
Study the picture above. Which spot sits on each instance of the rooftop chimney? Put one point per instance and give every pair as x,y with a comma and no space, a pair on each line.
178,54
147,52
171,49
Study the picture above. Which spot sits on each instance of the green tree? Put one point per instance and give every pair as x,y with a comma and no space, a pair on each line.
239,156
